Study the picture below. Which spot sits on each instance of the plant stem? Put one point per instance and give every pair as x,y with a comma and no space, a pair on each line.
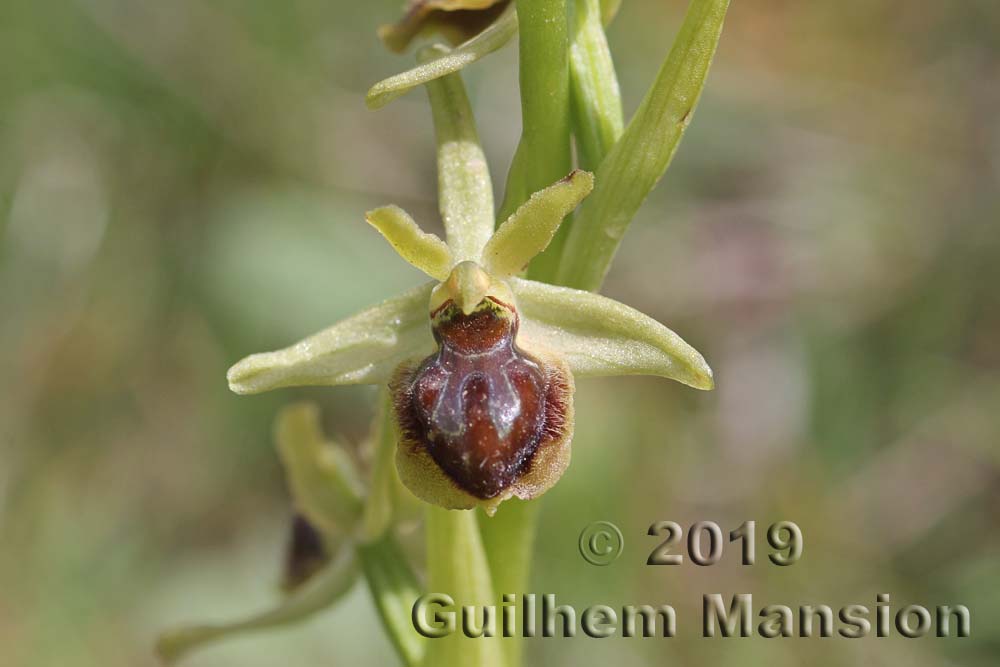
509,539
544,155
457,566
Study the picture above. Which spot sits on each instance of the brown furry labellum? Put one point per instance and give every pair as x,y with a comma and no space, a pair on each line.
493,418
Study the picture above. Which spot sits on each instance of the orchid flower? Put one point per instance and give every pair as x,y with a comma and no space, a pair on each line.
478,364
480,361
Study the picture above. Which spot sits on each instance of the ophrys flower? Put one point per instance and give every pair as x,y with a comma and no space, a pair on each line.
481,362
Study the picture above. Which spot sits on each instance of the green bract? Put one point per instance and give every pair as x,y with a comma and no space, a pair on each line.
637,161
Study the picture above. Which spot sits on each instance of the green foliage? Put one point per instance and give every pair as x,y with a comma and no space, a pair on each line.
638,160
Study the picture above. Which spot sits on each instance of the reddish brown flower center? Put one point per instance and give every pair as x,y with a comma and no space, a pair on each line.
479,403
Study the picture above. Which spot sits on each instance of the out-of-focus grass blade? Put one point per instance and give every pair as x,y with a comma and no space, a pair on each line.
596,100
394,588
486,42
635,164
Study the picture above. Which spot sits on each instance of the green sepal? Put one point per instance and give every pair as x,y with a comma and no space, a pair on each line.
599,336
363,349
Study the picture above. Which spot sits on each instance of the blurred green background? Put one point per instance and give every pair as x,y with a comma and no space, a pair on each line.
182,183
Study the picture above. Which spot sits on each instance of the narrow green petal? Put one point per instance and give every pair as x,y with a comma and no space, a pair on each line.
394,588
486,42
318,593
596,99
633,167
425,251
465,192
363,349
600,336
530,229
324,484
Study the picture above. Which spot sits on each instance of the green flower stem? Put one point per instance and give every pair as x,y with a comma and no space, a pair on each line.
545,154
447,62
457,566
465,192
596,100
509,539
635,164
394,587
